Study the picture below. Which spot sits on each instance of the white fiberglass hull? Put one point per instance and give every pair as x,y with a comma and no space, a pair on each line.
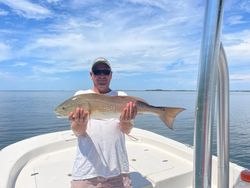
46,161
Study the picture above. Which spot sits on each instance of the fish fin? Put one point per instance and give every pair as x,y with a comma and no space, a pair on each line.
168,115
140,100
132,137
132,98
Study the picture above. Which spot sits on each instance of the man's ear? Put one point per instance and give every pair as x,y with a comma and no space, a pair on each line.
91,75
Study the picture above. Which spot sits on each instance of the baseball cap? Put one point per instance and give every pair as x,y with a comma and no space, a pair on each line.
100,60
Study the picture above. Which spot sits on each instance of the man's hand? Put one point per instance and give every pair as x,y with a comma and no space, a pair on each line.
79,121
127,116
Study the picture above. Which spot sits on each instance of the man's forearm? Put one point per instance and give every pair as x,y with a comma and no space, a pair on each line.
79,130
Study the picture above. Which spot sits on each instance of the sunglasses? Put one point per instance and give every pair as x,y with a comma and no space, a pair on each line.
99,72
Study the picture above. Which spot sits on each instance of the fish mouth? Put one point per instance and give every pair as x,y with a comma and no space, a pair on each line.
58,115
61,117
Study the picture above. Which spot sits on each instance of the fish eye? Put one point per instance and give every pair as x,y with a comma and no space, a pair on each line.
63,108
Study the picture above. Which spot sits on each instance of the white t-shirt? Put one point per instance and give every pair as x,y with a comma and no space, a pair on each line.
102,152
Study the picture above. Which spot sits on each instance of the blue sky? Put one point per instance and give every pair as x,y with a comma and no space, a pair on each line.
151,44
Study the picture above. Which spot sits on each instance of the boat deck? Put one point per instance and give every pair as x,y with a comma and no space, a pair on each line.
54,169
150,165
47,160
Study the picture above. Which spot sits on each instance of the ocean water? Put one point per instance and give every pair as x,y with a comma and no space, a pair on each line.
29,113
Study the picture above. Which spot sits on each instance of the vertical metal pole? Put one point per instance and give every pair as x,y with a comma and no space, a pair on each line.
223,121
206,93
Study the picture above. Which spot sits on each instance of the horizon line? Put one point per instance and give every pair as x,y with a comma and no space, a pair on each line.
49,90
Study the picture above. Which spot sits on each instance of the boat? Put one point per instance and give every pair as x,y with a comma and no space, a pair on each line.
155,161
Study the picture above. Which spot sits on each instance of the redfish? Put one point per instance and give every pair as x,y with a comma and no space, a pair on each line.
103,107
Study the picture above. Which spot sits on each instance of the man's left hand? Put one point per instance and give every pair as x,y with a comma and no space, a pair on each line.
127,116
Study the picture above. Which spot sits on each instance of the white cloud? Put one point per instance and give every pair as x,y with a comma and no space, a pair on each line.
64,47
75,25
20,64
245,5
237,47
77,40
240,77
53,1
69,51
5,51
160,4
138,36
28,9
3,12
5,76
121,34
233,20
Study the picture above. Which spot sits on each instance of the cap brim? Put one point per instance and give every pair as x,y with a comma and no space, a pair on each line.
99,61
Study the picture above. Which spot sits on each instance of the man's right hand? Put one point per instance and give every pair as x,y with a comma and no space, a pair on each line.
79,121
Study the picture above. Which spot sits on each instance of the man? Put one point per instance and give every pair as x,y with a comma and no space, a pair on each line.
101,159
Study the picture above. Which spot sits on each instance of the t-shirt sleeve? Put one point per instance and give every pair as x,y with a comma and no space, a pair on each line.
122,93
83,92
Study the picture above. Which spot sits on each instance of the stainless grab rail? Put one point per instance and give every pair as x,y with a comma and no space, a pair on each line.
206,94
223,121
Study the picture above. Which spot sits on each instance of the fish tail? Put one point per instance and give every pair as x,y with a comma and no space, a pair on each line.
168,115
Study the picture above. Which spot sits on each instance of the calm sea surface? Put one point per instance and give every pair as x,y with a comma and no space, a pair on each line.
29,113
